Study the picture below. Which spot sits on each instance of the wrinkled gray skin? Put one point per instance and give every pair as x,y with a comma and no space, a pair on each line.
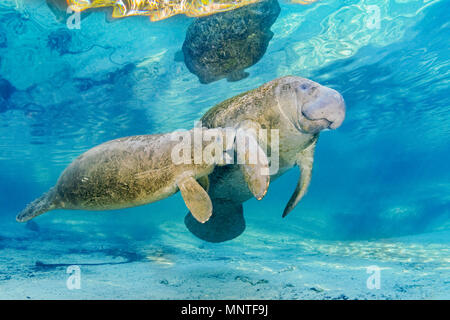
299,108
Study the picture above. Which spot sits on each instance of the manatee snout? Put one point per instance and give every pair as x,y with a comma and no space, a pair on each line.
327,111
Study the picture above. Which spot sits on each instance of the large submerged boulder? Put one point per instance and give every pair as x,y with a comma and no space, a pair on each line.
225,44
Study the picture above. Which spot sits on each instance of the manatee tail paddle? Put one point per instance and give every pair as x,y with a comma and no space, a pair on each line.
226,222
39,206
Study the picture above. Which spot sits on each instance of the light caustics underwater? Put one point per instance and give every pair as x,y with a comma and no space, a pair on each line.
158,10
76,74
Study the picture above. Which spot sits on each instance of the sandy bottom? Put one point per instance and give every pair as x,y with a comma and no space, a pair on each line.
175,265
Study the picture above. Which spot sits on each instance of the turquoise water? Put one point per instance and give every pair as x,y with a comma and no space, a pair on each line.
380,189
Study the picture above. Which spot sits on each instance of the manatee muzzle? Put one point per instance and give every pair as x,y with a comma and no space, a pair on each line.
327,111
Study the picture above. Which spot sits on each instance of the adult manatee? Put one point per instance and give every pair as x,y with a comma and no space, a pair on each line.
299,108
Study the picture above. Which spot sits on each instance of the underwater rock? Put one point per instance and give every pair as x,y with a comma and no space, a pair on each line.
223,45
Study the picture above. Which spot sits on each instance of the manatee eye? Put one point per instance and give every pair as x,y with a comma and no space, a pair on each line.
304,86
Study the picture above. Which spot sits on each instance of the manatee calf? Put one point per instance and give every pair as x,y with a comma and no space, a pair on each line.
299,108
137,170
225,44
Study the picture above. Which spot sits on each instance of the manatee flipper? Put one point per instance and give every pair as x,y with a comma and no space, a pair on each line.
237,75
41,205
196,198
257,182
226,223
304,161
253,160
